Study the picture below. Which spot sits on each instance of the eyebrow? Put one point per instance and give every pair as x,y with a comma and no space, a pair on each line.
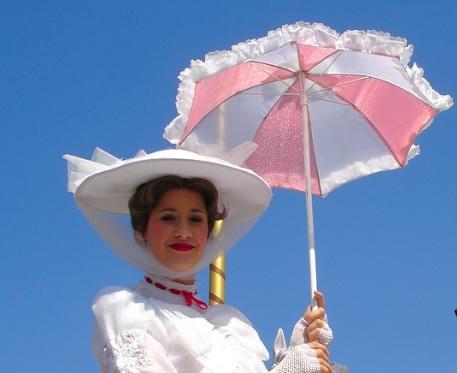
170,209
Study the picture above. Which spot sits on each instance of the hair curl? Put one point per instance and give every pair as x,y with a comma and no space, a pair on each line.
148,195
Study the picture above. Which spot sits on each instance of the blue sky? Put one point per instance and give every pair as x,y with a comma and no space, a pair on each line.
80,74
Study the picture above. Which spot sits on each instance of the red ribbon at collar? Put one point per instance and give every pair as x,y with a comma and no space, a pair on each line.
188,296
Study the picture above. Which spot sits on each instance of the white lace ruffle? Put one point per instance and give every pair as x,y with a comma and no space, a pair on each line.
316,34
126,353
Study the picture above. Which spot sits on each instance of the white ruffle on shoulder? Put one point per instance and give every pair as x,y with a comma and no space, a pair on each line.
135,332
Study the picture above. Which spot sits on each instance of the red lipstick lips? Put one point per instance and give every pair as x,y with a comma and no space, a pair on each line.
181,246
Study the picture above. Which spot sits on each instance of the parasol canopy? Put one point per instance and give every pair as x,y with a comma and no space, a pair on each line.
307,108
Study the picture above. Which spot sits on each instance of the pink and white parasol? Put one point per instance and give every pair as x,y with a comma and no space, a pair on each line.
307,108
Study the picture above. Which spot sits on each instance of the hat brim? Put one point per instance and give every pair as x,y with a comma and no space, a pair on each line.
103,197
110,190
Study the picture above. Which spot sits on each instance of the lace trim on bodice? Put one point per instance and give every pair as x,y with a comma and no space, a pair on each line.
126,353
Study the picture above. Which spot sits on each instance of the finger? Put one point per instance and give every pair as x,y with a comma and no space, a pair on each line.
307,313
313,336
316,324
319,348
314,330
315,312
310,316
320,299
325,366
325,335
321,354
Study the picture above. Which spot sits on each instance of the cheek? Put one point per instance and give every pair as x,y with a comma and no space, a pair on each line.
157,231
201,234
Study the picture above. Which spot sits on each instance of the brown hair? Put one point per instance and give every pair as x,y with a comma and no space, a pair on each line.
148,194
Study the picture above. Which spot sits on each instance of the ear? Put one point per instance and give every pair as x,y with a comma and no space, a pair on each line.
139,238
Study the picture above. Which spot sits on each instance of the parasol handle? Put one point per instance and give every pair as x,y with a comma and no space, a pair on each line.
309,192
312,273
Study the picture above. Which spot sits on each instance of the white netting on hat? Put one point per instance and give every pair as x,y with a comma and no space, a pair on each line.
116,230
103,185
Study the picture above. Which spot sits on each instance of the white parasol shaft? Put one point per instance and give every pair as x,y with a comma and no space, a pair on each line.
309,194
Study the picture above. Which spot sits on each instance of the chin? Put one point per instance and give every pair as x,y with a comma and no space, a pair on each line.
181,268
181,265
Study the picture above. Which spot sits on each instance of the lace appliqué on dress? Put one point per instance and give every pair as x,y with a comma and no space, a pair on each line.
126,354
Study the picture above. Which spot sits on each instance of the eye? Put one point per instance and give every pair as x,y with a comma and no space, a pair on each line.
168,218
196,219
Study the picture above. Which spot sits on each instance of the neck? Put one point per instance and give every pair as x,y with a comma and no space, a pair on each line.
171,290
183,281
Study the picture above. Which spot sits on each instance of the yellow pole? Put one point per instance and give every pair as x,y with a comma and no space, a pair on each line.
217,272
217,267
217,281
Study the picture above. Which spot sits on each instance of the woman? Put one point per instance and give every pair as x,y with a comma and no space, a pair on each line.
174,198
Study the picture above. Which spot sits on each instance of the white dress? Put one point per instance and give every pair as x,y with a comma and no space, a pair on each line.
148,330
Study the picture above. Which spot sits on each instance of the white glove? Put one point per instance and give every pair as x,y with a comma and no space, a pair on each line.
299,358
300,333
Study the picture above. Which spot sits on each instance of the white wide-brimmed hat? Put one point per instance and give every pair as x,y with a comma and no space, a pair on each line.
103,186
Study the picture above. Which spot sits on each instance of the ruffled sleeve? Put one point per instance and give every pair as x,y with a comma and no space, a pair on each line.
122,341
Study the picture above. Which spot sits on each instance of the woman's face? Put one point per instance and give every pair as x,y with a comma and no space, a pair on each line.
177,230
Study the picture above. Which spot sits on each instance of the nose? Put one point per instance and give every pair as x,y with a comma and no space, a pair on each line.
183,231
